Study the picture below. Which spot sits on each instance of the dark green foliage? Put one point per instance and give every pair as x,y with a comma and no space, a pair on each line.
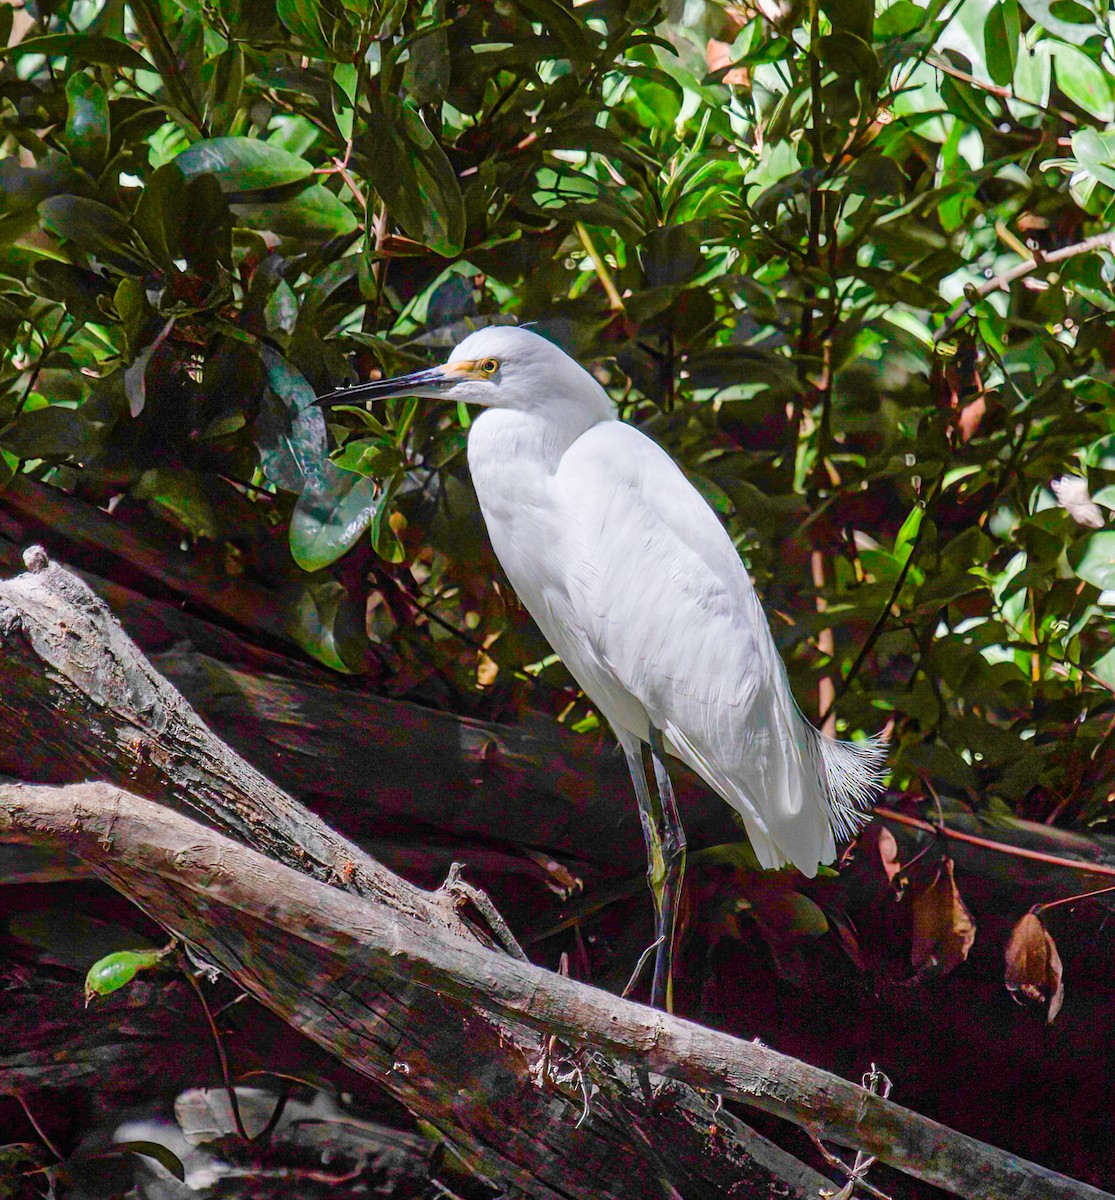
757,229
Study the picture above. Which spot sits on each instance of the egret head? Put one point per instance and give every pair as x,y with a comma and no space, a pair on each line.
499,367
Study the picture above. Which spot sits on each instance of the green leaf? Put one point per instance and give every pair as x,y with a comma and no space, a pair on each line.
907,535
79,290
1097,563
114,971
84,47
93,228
87,124
1095,152
290,435
1064,19
164,1156
179,496
899,20
1104,668
314,214
303,19
1002,35
856,17
52,433
161,213
334,509
371,458
135,376
24,187
1084,82
414,177
385,541
323,621
243,164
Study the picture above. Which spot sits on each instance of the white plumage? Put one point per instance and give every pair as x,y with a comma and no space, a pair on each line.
637,586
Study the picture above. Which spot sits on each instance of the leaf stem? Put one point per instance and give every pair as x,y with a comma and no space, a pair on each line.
222,1057
1040,908
1101,241
896,591
615,300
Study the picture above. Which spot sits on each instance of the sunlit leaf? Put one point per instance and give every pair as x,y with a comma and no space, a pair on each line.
1084,81
114,971
243,164
85,47
334,509
1097,563
313,213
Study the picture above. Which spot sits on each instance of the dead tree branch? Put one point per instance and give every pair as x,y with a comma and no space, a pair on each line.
341,968
77,691
1101,241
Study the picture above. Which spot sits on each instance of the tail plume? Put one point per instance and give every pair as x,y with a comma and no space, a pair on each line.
852,773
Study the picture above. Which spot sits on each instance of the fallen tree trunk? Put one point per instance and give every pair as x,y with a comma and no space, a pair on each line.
78,691
354,976
77,688
477,1088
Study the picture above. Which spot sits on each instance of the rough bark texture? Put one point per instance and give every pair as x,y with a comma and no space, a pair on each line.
77,691
74,683
392,998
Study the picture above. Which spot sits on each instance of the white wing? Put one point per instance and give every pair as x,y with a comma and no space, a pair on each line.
666,608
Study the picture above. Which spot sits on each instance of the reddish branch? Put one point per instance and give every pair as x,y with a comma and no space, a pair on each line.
1074,864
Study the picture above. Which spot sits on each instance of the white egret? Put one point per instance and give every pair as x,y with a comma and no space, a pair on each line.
638,587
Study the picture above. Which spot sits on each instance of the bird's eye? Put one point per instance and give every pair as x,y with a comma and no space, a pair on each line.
489,366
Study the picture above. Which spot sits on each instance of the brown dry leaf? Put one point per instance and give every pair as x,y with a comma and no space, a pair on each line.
1034,966
888,852
718,55
943,927
557,877
970,417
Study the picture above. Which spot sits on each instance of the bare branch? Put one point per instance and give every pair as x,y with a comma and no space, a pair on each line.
1101,241
289,939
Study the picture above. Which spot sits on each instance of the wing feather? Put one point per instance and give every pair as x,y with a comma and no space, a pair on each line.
668,609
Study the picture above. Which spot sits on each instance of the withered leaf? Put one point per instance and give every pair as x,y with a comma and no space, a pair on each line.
943,927
1034,966
888,852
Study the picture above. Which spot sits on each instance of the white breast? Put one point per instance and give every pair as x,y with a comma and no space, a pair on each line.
512,458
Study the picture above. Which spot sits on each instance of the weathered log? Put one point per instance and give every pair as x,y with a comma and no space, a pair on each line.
79,689
345,969
346,977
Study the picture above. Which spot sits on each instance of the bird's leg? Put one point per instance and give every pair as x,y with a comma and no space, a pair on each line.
673,854
650,814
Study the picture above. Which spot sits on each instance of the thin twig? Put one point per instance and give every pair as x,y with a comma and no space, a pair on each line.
455,886
1040,908
994,89
1053,860
222,1058
36,1126
896,591
615,300
640,966
1101,241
